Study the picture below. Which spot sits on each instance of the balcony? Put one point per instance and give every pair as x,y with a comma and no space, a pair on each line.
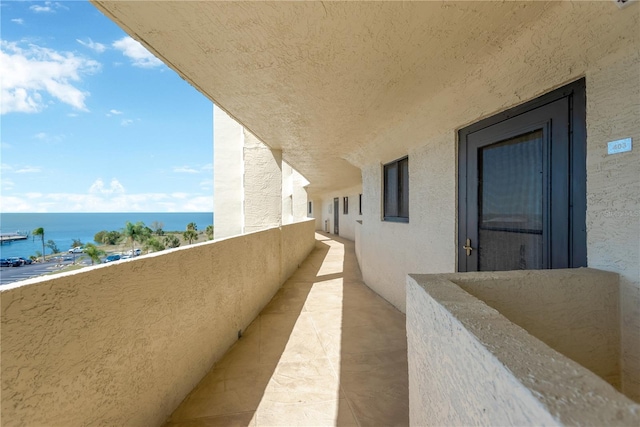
124,344
277,327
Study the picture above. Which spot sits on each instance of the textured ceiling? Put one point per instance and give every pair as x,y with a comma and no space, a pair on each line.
319,80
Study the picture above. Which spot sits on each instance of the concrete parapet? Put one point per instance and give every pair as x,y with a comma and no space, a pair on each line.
471,365
123,343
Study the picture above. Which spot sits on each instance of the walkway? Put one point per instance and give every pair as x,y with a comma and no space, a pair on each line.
325,351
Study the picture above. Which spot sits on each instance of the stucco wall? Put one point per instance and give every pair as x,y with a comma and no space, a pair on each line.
347,223
297,242
596,41
613,192
469,365
573,311
294,195
300,196
262,185
228,166
123,343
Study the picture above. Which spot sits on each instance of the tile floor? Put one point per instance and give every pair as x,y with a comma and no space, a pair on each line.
325,351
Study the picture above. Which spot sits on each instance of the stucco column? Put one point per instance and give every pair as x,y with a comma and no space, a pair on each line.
228,175
262,185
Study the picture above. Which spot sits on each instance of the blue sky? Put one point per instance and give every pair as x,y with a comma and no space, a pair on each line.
92,122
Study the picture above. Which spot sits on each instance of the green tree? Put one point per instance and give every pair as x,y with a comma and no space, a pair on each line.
171,241
93,252
107,237
112,238
52,245
209,232
99,236
76,243
137,232
153,244
39,232
190,236
192,226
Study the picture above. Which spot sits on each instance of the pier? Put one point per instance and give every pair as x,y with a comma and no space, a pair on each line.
12,237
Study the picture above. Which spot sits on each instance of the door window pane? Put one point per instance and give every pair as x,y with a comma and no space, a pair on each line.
391,190
510,210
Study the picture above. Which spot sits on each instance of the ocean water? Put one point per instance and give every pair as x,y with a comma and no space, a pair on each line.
62,228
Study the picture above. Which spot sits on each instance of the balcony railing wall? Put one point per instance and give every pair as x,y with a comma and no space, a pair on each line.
513,357
124,343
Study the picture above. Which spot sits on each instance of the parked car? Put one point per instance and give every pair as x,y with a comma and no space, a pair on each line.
5,262
26,260
15,261
134,252
111,258
76,250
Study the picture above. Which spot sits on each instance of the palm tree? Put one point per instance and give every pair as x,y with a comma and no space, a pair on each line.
135,232
171,241
190,235
93,252
39,232
209,232
192,226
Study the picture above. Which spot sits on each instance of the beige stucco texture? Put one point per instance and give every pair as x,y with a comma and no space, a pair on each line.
554,49
228,179
123,343
342,88
326,351
471,365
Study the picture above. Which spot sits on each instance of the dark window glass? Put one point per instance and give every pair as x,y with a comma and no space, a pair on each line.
396,190
310,208
345,205
510,197
360,204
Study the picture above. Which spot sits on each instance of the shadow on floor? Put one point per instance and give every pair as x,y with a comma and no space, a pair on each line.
326,350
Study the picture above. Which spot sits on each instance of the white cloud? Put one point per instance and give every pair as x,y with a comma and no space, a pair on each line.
43,136
28,169
76,202
95,46
33,71
18,21
115,112
138,54
48,7
41,9
185,169
206,184
7,184
98,187
126,122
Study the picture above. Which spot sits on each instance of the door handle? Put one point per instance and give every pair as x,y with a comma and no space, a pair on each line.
467,247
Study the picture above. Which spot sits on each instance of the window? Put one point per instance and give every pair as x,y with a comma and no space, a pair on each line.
345,205
360,204
310,209
396,190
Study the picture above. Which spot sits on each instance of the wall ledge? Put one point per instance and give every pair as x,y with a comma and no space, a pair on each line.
480,368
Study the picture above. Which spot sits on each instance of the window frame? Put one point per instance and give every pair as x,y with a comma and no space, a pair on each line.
345,205
401,191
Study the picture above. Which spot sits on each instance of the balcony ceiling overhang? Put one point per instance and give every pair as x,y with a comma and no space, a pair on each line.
319,80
